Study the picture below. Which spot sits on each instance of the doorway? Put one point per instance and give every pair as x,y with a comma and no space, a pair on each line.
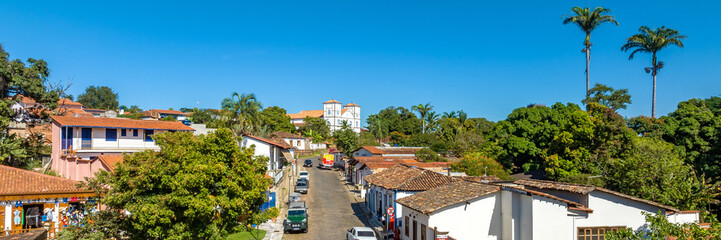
33,216
87,138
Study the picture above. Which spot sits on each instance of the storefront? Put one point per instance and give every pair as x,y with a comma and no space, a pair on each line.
30,200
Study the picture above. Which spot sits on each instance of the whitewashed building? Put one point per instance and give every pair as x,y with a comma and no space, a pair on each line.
470,210
278,153
399,181
77,142
334,113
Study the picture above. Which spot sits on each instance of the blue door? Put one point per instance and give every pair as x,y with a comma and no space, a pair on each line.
87,138
270,201
67,138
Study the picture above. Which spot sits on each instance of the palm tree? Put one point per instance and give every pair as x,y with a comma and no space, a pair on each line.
377,127
423,111
652,41
452,114
431,120
242,112
588,20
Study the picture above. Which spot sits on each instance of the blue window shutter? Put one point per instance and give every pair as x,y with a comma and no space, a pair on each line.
111,134
148,135
135,132
123,132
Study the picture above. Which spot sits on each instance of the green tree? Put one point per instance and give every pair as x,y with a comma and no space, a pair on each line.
647,127
367,139
100,97
242,113
316,128
377,127
475,164
346,139
431,121
428,155
659,228
652,41
589,20
397,119
423,110
609,97
195,187
276,119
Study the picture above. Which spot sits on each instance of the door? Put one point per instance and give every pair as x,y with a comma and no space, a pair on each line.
87,138
67,138
415,232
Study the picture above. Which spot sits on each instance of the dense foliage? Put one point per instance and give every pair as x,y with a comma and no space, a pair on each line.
100,97
195,187
659,228
276,119
475,164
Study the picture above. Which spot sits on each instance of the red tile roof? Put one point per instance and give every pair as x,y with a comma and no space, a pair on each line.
287,135
331,101
480,179
61,101
173,112
451,194
280,144
390,150
351,105
110,161
306,113
102,122
15,181
408,178
585,189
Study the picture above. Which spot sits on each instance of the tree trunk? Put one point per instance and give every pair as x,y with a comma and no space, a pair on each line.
588,65
653,102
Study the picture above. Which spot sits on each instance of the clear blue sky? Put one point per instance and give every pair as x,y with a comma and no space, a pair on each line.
485,57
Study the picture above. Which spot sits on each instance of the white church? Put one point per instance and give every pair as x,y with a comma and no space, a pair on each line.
334,112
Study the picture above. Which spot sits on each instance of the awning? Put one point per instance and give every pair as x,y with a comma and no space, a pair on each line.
288,157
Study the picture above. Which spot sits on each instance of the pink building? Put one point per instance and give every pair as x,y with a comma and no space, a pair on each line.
84,145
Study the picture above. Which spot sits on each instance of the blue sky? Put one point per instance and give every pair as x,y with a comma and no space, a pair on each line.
485,57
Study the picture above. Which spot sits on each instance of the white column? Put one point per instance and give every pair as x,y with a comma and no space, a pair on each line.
8,216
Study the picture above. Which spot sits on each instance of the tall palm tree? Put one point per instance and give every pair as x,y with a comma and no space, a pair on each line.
423,111
652,41
431,120
242,112
588,20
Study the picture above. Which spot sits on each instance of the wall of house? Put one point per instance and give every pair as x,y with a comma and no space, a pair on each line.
574,197
264,149
362,153
549,219
300,143
480,219
420,219
611,210
684,217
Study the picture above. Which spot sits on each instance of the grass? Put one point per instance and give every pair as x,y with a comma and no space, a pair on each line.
246,235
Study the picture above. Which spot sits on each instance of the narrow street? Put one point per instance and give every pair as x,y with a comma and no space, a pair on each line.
332,209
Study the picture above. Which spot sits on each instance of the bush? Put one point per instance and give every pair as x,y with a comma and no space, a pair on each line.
475,164
427,155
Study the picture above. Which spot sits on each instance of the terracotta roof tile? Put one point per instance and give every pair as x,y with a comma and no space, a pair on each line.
408,178
306,113
585,189
15,181
173,112
390,150
480,179
448,195
102,122
280,143
331,101
110,161
287,135
351,105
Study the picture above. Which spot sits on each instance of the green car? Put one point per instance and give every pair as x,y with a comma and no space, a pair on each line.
297,218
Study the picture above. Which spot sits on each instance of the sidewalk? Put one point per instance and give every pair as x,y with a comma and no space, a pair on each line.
376,225
273,230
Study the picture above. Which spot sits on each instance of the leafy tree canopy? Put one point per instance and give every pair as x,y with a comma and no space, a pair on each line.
316,128
346,139
607,96
195,187
396,119
100,97
276,119
475,164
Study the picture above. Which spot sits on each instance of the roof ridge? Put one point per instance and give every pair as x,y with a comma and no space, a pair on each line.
37,173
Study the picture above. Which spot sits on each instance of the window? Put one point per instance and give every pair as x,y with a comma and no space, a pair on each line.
297,143
111,135
148,135
415,233
406,227
423,231
329,112
337,112
135,132
595,233
123,133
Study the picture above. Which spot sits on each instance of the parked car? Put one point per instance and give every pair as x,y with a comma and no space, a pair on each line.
297,217
304,175
301,186
308,163
360,233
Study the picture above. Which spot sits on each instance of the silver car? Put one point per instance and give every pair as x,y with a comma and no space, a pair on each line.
360,233
301,186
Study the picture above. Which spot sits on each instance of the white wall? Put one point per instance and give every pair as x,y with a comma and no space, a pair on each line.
420,219
481,219
127,142
684,217
610,210
294,142
550,220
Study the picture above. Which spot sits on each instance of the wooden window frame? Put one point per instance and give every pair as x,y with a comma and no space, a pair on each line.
593,233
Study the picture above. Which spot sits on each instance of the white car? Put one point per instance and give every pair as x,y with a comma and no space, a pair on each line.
304,175
361,233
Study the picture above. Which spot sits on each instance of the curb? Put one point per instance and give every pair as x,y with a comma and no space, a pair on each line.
375,225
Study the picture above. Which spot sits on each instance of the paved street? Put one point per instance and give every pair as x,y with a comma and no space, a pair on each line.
332,209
